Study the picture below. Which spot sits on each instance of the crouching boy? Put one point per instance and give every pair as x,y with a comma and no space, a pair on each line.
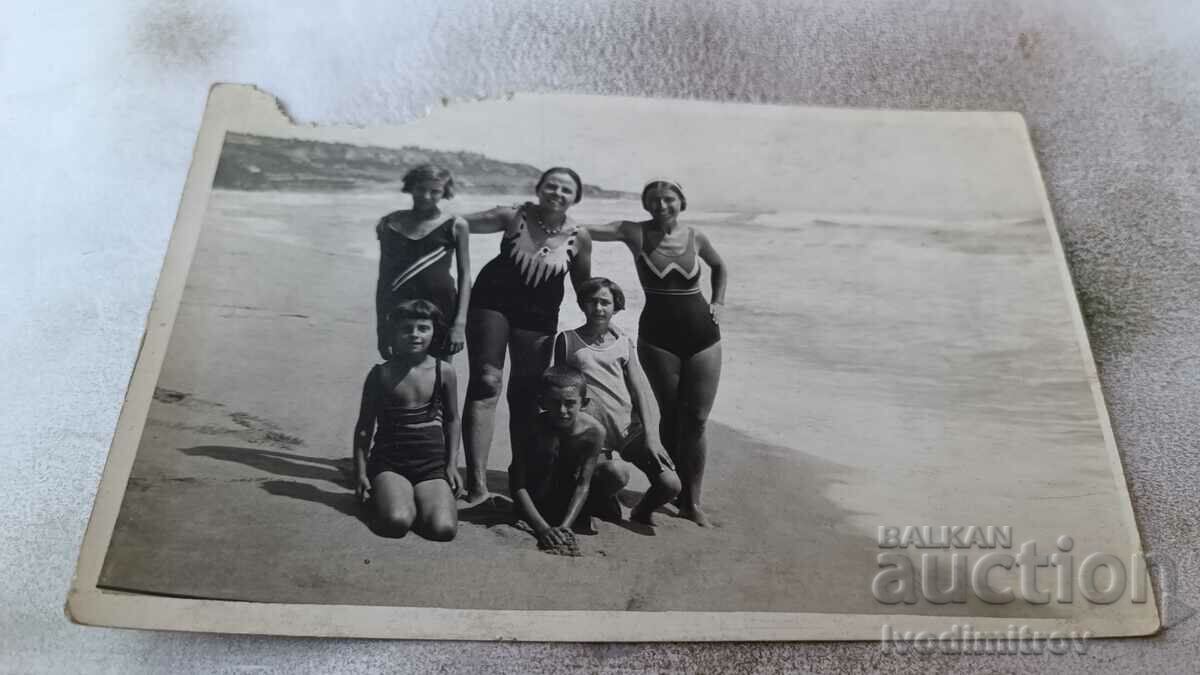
620,400
552,474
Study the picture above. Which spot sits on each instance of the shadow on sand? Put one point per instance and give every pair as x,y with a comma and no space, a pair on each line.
497,510
276,462
292,465
343,502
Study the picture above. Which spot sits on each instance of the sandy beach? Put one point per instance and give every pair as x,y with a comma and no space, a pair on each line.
873,370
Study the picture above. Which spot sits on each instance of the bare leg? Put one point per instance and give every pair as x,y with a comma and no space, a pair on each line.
662,370
437,514
487,338
531,351
394,506
610,477
664,487
697,391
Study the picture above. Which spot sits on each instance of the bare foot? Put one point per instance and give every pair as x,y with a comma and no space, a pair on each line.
696,515
473,499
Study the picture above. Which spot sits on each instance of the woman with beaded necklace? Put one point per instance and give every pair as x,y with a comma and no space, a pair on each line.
514,306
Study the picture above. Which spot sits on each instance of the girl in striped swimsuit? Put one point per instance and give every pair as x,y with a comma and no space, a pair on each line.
415,249
679,339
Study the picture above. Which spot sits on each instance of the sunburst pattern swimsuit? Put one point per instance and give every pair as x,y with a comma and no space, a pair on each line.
676,317
525,282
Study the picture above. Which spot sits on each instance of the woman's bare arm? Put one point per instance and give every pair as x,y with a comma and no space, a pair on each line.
645,406
581,267
492,220
462,257
720,275
614,231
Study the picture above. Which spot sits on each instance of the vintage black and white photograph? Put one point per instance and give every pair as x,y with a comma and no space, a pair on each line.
695,370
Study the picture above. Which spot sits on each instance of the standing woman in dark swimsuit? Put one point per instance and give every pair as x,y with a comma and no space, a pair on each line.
514,306
415,250
679,340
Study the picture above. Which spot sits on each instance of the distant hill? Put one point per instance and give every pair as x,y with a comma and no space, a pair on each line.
265,163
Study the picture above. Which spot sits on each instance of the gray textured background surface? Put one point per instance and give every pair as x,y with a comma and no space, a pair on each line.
100,105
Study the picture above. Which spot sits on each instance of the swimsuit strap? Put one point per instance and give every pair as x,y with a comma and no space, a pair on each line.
383,225
571,341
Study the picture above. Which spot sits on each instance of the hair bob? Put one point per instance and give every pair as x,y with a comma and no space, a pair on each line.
590,287
414,309
426,173
562,169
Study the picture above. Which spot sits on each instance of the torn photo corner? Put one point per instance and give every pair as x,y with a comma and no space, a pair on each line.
834,384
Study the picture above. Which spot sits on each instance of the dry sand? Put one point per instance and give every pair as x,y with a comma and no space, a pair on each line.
826,426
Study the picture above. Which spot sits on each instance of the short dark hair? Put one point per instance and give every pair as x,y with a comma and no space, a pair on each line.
589,288
414,309
426,173
670,185
562,376
562,169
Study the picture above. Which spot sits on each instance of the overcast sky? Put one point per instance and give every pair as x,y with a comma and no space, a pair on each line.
752,158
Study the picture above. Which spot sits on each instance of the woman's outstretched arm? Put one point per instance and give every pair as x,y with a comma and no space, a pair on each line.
492,220
614,231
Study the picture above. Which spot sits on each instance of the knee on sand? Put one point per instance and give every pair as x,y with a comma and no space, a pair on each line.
395,522
439,527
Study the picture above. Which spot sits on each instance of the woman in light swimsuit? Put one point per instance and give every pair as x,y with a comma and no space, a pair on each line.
679,339
514,306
